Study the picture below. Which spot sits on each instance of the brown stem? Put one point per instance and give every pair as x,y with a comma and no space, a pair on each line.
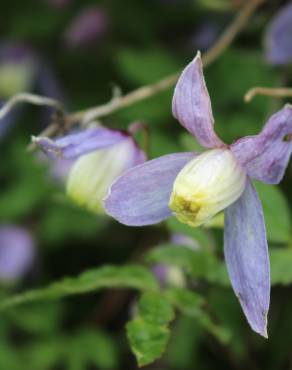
85,116
275,92
150,90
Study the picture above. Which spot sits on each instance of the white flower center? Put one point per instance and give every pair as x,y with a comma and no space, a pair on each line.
206,185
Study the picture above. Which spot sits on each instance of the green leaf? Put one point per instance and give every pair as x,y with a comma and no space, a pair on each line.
186,301
148,341
192,304
276,211
281,262
154,308
148,333
89,346
184,346
128,276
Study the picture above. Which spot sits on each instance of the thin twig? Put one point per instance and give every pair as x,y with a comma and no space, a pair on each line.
275,92
32,99
120,102
145,92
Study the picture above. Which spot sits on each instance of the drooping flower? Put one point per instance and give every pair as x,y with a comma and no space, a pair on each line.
87,28
99,156
279,36
194,187
17,252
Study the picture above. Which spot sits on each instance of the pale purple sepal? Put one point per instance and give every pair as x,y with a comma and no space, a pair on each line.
265,156
279,36
247,259
89,25
191,105
17,252
140,196
74,145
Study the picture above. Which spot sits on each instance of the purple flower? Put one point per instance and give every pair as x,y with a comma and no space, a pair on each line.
87,27
17,252
101,156
279,36
194,187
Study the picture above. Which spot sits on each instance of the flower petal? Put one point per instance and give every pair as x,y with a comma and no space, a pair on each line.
278,37
265,156
75,145
247,259
140,196
191,105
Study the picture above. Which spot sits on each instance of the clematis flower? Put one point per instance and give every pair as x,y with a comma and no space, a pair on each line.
278,37
99,156
17,252
195,187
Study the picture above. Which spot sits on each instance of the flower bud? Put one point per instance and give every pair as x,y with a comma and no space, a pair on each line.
92,174
206,185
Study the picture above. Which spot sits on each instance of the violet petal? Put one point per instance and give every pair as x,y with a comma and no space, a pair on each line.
140,196
17,252
278,37
191,105
265,156
75,145
247,259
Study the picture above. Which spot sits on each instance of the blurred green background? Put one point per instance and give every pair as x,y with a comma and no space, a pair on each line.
131,43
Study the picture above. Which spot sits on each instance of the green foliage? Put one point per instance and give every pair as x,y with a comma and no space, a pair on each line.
276,211
197,263
281,262
131,276
148,332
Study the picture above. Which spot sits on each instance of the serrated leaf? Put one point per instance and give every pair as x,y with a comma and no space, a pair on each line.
148,333
153,307
148,341
129,276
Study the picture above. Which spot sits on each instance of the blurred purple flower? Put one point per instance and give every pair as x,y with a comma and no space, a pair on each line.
17,74
21,69
204,36
17,252
169,274
87,28
59,4
279,37
102,155
195,187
